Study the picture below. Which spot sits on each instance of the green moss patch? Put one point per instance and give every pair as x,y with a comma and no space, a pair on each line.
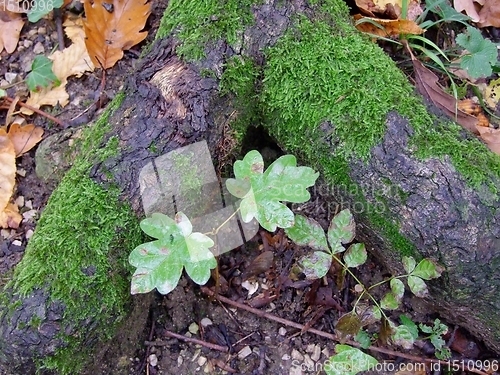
197,22
79,252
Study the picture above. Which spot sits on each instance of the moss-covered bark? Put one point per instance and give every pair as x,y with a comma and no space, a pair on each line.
326,94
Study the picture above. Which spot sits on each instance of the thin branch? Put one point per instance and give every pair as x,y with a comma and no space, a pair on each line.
36,110
327,335
209,345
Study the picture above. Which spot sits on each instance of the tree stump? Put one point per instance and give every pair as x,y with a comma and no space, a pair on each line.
417,184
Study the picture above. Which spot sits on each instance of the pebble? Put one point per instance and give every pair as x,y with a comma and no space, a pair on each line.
29,234
42,30
153,360
285,357
316,354
205,322
27,43
32,33
296,355
29,215
38,49
282,331
193,328
201,361
29,204
19,201
10,77
308,362
17,243
245,352
21,172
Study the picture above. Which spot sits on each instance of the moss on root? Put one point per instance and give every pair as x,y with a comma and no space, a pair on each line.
79,252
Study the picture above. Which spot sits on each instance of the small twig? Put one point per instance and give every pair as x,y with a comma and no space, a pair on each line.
327,335
209,345
60,34
36,110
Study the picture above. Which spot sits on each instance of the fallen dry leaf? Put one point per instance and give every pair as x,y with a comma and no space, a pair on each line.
389,8
491,94
112,27
24,138
427,85
9,217
491,137
72,61
390,27
10,27
470,7
489,15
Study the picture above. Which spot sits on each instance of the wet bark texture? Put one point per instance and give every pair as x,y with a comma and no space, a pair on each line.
169,104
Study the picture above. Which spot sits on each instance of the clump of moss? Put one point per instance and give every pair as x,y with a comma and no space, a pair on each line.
79,251
197,22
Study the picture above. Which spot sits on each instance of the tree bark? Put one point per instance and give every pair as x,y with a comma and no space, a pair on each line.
430,208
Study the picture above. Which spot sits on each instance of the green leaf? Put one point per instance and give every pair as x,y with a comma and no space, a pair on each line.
41,74
427,270
342,228
348,361
445,11
3,93
482,53
283,181
409,264
355,255
402,336
425,328
159,263
389,302
398,288
40,8
412,327
307,232
443,353
315,265
417,286
364,339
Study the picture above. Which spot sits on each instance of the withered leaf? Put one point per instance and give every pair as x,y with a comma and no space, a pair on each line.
113,26
10,27
427,85
491,137
389,27
348,324
9,217
24,138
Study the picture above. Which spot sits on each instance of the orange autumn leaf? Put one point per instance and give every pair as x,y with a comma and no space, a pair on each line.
112,27
389,8
386,28
10,27
489,15
9,216
24,138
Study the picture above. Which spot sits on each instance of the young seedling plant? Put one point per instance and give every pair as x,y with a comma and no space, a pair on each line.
159,263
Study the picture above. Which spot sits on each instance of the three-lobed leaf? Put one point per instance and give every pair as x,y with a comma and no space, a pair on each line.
342,229
355,255
307,232
482,54
41,74
159,263
283,181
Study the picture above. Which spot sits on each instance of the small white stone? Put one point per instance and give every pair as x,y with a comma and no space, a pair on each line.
42,30
5,233
308,361
196,355
326,352
202,361
29,215
179,361
193,328
153,360
19,201
316,354
28,204
251,286
205,322
27,43
38,49
21,172
282,331
17,243
296,355
296,371
285,357
10,77
29,234
310,348
245,352
209,368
